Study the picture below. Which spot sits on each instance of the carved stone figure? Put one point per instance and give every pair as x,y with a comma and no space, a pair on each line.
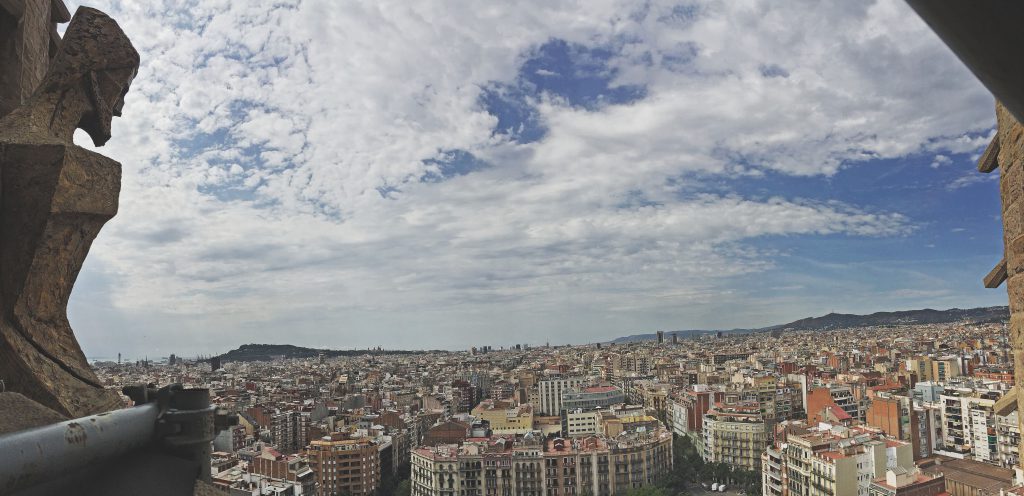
54,198
28,40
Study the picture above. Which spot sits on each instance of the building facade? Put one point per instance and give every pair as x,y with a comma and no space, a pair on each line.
830,461
592,397
550,391
735,434
525,466
968,423
345,467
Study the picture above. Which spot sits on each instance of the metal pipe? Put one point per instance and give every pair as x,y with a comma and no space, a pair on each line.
36,455
987,37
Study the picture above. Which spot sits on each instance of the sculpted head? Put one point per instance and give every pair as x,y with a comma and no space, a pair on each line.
96,64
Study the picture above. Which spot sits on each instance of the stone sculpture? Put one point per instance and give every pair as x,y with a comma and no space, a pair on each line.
54,198
28,40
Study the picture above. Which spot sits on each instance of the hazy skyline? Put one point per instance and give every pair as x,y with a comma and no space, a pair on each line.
444,174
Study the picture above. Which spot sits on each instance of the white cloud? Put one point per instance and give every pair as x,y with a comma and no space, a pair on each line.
258,136
969,179
940,160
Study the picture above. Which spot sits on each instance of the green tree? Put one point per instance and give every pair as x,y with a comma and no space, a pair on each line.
403,488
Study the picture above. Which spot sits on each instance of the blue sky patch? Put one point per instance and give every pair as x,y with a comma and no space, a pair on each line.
450,164
575,74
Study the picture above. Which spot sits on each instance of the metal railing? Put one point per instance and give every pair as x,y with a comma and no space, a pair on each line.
161,446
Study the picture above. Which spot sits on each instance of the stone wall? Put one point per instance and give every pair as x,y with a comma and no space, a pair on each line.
1010,160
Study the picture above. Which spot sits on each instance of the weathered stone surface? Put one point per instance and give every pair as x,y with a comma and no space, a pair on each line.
1018,262
1013,223
997,275
1010,159
1010,180
988,161
54,198
28,38
18,413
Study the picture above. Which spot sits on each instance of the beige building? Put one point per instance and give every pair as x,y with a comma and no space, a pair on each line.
581,423
522,466
830,461
497,466
934,369
735,434
505,418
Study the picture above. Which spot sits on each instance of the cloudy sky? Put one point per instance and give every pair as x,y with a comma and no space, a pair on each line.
448,173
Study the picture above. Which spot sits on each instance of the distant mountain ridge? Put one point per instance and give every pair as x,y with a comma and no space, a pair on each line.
267,352
845,321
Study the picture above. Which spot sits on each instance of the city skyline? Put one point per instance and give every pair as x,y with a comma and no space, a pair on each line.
929,407
452,248
388,173
625,339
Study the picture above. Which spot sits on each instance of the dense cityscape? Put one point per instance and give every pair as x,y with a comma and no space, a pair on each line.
887,410
447,192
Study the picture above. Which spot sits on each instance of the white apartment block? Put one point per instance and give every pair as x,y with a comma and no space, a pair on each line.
550,392
968,423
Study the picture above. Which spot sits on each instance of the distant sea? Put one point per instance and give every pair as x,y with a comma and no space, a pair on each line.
124,359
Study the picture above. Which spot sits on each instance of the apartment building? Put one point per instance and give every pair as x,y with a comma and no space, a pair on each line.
551,390
631,362
527,466
927,392
588,398
830,460
464,395
821,398
1007,430
687,409
504,418
345,467
934,369
968,422
582,423
780,400
720,358
773,481
653,396
288,431
891,414
927,425
735,434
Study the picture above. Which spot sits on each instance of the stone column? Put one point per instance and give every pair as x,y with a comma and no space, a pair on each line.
1007,153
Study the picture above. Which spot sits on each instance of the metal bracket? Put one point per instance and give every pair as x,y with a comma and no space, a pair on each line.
187,422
